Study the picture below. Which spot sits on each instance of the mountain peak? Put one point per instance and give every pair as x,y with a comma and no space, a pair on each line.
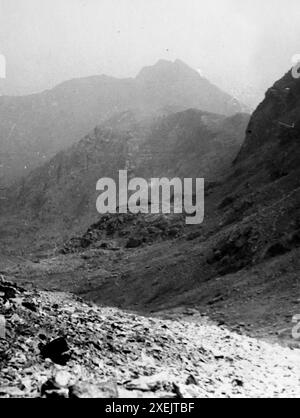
166,69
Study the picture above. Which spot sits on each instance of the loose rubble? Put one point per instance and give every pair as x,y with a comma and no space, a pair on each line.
65,348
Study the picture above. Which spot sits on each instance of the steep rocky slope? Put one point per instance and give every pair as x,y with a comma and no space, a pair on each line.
56,346
271,147
34,128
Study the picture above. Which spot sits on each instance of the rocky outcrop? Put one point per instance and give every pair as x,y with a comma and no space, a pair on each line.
271,149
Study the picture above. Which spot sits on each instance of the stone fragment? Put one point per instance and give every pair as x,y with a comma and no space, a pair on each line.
57,350
100,390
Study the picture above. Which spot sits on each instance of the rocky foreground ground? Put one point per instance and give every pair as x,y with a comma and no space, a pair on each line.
55,345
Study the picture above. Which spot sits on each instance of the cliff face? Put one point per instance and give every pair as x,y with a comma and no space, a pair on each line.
271,148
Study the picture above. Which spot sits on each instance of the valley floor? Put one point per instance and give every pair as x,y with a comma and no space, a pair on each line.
56,345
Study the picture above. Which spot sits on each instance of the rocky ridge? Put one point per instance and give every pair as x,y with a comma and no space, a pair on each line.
34,128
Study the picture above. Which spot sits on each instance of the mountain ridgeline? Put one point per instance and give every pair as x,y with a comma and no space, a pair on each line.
34,128
192,143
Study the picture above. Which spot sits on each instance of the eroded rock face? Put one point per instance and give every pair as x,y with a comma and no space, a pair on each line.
116,354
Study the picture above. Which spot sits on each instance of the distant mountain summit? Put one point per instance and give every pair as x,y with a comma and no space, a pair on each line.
34,128
176,83
166,71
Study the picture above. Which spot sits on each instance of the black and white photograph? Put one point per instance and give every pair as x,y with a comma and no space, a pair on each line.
149,202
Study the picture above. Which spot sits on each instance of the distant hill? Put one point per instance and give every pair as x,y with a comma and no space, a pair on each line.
34,128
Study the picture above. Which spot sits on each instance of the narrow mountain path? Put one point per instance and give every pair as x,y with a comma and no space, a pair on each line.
55,345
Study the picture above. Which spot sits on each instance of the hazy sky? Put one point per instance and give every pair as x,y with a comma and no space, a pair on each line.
241,45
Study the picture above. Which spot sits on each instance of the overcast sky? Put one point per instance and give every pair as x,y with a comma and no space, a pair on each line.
241,45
